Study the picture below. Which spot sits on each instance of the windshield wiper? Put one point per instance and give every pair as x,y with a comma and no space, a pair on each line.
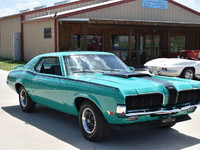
113,70
83,71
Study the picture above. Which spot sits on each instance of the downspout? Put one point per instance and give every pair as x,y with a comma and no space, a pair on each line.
55,32
22,39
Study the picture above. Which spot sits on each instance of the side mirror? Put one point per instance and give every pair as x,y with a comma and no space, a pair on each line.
131,68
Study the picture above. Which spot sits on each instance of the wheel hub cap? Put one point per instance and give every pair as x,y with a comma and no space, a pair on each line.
23,98
189,74
88,120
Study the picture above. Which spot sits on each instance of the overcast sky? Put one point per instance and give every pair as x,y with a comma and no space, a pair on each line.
9,7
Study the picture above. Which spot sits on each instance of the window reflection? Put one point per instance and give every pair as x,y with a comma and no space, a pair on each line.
119,46
94,42
178,43
84,63
77,42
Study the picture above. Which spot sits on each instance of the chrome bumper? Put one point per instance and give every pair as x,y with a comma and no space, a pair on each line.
121,111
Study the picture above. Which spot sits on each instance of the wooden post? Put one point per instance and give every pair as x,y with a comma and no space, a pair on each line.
198,44
68,37
108,40
129,47
169,43
71,42
103,42
138,49
84,38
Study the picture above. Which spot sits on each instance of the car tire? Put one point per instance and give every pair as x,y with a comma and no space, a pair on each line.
93,125
167,126
27,105
188,73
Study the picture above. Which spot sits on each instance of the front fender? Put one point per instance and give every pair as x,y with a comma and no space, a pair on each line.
89,97
105,101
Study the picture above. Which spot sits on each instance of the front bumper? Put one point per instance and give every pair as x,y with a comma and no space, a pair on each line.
123,113
148,124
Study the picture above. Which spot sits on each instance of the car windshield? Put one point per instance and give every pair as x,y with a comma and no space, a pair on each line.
93,63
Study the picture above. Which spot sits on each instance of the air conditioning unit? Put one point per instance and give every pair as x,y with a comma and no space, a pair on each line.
61,2
25,10
40,7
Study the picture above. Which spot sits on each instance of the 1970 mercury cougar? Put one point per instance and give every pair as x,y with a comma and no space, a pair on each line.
100,89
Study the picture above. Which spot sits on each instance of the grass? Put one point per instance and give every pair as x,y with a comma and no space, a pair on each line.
7,64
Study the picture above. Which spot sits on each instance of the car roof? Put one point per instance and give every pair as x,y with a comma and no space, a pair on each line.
72,53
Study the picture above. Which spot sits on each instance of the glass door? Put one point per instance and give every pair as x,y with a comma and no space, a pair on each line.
156,47
148,47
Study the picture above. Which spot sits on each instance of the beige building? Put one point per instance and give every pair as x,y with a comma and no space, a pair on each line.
135,30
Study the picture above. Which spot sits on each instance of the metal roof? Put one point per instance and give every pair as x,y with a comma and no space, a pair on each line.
74,10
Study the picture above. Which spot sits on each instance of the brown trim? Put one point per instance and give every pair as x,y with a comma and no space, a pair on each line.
147,23
55,7
22,39
55,34
95,8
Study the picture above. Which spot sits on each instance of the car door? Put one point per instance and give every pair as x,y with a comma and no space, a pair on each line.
49,83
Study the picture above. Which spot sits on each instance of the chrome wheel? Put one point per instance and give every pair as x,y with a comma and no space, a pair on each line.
88,121
27,105
93,125
189,74
23,98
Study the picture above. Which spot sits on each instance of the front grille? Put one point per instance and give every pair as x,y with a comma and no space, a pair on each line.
144,101
188,96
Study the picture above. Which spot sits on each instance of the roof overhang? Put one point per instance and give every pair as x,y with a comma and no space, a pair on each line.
128,22
84,20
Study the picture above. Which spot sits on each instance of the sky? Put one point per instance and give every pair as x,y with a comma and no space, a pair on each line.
9,7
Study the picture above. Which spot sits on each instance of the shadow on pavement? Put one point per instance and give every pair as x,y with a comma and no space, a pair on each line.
65,127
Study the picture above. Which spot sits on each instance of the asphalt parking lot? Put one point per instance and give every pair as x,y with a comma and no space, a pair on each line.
52,130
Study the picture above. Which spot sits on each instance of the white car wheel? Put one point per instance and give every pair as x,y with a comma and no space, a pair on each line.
188,73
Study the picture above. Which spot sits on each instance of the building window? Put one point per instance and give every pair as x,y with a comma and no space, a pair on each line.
77,42
178,43
94,42
119,46
47,32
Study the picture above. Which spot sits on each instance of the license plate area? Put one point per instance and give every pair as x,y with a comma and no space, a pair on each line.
169,119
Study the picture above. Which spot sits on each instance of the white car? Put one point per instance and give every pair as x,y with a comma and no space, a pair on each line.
177,67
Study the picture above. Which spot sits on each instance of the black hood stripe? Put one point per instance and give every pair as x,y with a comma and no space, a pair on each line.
168,86
127,74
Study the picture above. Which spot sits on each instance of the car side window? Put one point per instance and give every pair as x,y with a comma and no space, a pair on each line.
49,65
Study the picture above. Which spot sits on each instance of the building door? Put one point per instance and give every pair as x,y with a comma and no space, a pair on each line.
17,46
156,47
149,47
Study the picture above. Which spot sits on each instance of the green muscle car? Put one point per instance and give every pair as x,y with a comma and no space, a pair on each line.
100,89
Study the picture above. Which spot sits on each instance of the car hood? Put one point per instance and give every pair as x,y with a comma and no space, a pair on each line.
137,83
164,62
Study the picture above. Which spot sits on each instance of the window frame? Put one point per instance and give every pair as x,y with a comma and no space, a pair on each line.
47,35
43,59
